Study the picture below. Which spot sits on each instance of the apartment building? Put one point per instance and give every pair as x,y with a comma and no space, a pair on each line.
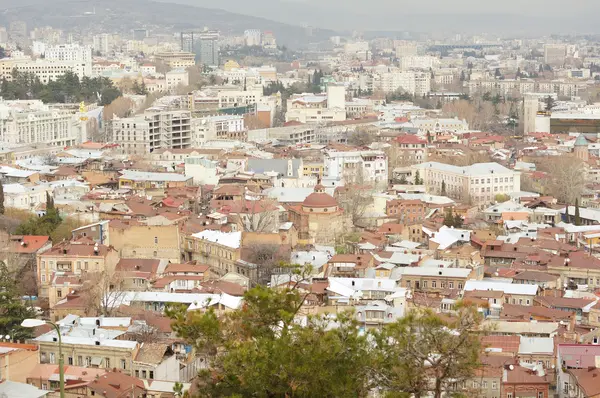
311,108
357,166
176,78
68,258
427,62
432,279
143,134
71,53
32,122
176,59
407,211
95,351
142,180
414,83
228,127
480,181
220,250
408,150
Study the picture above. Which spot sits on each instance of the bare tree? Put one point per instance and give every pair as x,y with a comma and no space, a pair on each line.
566,178
103,291
268,259
120,107
356,196
257,215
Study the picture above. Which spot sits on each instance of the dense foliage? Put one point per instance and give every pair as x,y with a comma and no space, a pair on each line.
68,88
43,226
267,348
12,309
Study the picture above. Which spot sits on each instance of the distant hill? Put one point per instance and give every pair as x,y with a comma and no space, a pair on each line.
124,15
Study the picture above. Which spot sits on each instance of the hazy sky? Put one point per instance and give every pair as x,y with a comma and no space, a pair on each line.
391,14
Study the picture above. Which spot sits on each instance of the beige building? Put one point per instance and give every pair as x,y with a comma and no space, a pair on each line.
68,258
94,352
319,219
17,361
480,182
220,250
176,59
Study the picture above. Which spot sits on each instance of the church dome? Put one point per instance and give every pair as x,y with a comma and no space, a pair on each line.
319,198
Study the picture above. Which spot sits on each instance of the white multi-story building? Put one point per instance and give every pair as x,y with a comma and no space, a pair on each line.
153,130
356,166
311,108
253,37
234,98
211,128
480,182
71,53
414,83
419,62
32,121
176,78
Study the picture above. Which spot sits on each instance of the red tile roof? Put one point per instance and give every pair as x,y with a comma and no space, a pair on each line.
29,243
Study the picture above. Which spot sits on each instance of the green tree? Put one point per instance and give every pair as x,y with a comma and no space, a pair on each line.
549,103
449,217
1,198
501,198
577,216
403,180
44,225
12,309
443,191
260,351
424,353
418,180
458,221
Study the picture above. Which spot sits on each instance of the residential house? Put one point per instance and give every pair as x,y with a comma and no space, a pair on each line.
68,258
17,361
182,277
220,250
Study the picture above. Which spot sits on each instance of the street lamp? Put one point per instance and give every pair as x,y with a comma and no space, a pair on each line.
34,323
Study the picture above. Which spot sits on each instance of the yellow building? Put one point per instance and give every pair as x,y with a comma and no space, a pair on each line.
69,259
220,250
93,352
313,169
231,64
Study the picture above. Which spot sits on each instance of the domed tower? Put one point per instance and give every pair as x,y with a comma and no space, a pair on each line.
581,150
319,201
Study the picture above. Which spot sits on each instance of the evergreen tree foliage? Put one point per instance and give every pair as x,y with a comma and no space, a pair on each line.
12,308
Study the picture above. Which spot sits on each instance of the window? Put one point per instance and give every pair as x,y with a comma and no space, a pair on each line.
451,285
143,374
59,293
43,278
79,360
494,385
156,240
527,301
566,387
70,360
88,361
433,284
484,383
509,395
52,357
541,394
123,364
151,374
137,373
107,362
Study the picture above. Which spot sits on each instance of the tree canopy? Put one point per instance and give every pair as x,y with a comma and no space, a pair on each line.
268,348
67,88
12,309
